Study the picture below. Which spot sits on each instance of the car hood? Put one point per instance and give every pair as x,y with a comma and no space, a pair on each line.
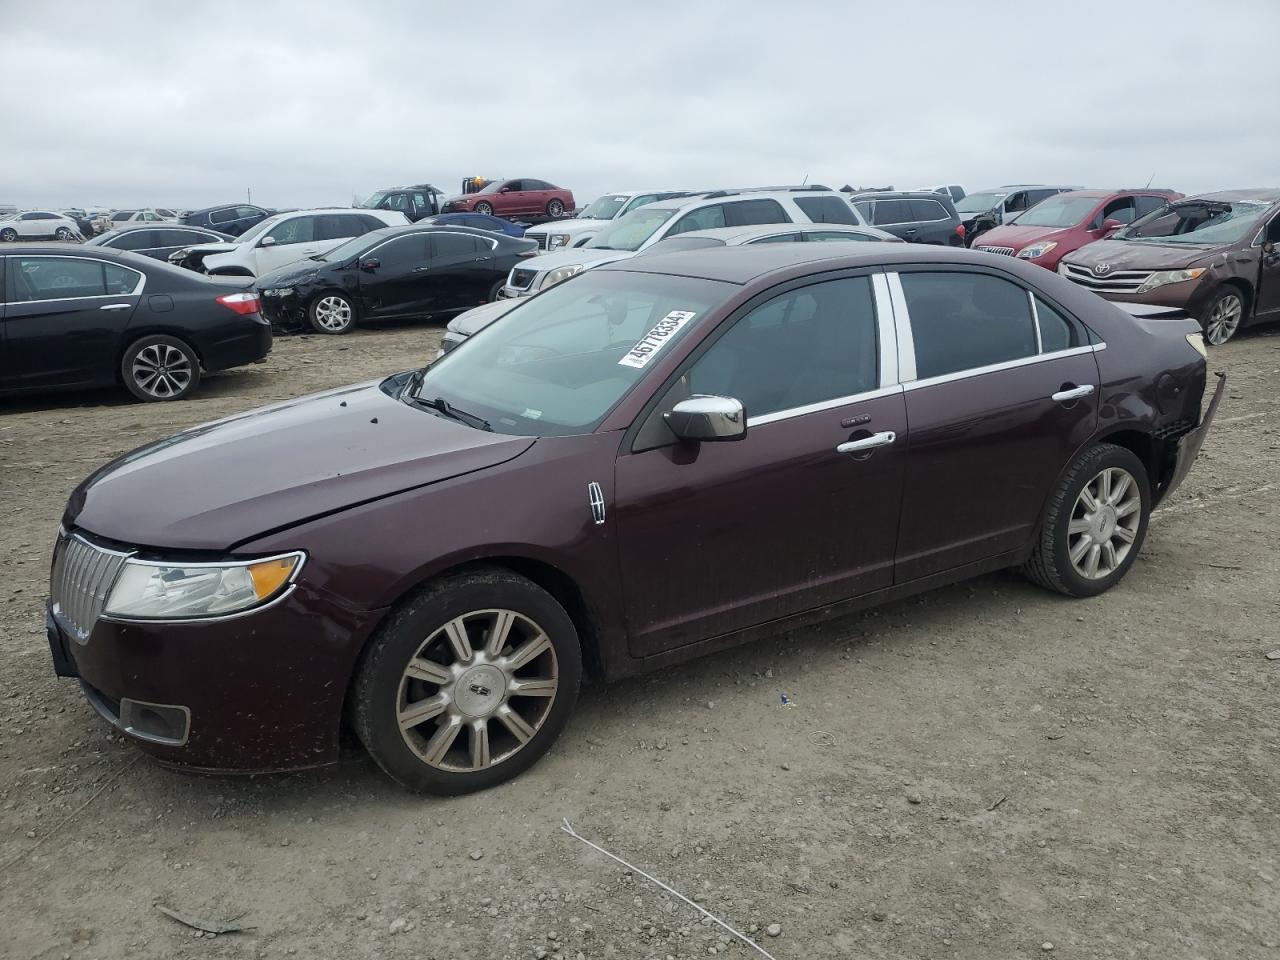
587,256
1141,254
1017,236
221,484
213,247
480,317
576,225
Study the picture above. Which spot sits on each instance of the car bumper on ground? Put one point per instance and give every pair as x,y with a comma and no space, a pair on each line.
1189,443
258,692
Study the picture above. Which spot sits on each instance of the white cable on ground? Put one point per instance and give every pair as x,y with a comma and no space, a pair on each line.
568,828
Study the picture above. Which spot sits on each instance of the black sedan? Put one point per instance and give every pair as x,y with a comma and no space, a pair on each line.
76,317
158,240
393,273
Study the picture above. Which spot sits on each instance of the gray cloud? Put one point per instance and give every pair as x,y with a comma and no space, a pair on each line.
134,102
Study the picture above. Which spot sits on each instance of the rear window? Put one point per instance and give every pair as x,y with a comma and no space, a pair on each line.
892,211
747,212
135,240
340,226
928,210
225,215
826,210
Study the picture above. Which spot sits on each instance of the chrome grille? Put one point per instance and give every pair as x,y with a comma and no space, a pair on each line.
1006,251
83,574
522,278
1117,281
540,238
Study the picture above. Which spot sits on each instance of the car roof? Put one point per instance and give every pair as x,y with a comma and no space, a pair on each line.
395,230
899,195
717,196
1252,194
742,234
743,264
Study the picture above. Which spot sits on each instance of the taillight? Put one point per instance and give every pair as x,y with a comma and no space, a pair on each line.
242,303
960,230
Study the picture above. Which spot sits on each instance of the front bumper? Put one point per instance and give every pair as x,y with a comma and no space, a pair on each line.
286,312
1189,443
254,693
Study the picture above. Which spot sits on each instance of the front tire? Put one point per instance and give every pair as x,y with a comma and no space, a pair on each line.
8,235
485,208
332,313
555,209
1223,315
63,234
160,367
1094,524
468,684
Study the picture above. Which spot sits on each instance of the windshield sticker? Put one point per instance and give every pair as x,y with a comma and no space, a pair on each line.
652,342
531,414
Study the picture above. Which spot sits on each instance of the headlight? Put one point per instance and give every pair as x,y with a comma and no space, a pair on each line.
152,590
1197,340
1036,250
1161,277
559,275
558,240
278,292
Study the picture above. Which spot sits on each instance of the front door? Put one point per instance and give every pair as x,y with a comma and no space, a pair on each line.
717,537
401,284
1004,395
63,319
287,242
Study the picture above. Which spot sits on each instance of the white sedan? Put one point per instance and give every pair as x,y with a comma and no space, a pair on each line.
36,224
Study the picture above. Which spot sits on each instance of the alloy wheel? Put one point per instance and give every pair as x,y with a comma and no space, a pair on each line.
333,313
1224,319
485,209
555,208
477,690
1104,523
162,371
9,235
63,233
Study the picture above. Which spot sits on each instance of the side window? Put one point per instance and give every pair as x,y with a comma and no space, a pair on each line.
135,240
452,247
395,201
370,223
1122,210
401,254
243,213
1056,331
808,345
179,238
640,201
515,185
339,226
928,210
743,213
1147,205
120,280
1273,231
893,211
826,210
867,208
704,218
57,278
420,201
1017,202
823,236
297,230
960,321
224,215
777,238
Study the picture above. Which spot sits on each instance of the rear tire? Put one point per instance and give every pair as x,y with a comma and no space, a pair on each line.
1094,524
8,235
555,209
435,698
485,208
497,289
332,313
1223,315
160,367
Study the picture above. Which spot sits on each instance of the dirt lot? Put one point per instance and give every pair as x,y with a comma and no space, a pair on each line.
979,773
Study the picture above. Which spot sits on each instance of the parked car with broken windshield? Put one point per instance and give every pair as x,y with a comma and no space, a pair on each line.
1214,256
604,483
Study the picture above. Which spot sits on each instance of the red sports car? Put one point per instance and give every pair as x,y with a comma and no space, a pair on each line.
514,198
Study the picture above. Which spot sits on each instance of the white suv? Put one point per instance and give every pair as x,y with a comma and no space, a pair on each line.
563,234
657,221
284,238
36,223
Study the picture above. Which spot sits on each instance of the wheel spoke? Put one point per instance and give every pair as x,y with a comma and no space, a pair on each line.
515,723
1104,486
528,651
458,639
1128,507
1109,556
1120,488
533,688
1087,498
1091,561
422,711
1125,534
1080,548
480,744
428,671
498,632
442,740
1077,527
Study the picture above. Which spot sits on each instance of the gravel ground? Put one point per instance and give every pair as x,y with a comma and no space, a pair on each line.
987,771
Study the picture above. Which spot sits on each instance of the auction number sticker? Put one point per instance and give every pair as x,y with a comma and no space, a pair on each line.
652,343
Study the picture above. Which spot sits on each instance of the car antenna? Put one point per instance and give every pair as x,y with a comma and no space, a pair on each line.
1149,179
806,179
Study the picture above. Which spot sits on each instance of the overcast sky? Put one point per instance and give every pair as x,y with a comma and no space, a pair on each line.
127,102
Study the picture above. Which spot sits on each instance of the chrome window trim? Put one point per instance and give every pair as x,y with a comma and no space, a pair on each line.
429,231
1035,319
823,405
136,292
902,329
886,330
1005,365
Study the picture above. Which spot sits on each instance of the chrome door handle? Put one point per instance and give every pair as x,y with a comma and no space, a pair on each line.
116,306
868,443
1075,393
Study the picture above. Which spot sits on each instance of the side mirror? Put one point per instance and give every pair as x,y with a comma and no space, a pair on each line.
1110,226
267,242
505,190
704,417
370,265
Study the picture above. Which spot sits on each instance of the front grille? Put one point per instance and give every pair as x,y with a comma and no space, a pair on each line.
83,574
1005,251
1118,281
521,279
540,238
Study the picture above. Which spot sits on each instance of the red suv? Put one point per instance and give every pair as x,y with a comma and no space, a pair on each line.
514,198
1065,222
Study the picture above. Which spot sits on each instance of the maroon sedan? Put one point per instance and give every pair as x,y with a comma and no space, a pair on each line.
656,460
514,198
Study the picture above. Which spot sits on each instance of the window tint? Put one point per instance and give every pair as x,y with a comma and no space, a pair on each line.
339,226
640,201
135,240
806,346
179,238
1273,231
456,246
395,201
777,238
822,236
893,211
826,209
867,209
401,254
928,210
1149,204
371,223
514,185
225,215
537,185
1016,202
296,230
1056,331
57,278
960,321
704,218
1037,195
745,212
119,279
420,201
1122,210
243,213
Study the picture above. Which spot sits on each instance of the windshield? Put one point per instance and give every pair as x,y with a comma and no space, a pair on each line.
603,208
630,231
556,365
349,248
979,202
1059,211
1208,222
374,200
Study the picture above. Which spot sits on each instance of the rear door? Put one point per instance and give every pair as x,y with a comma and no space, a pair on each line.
932,222
332,229
1001,392
896,216
462,270
64,319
